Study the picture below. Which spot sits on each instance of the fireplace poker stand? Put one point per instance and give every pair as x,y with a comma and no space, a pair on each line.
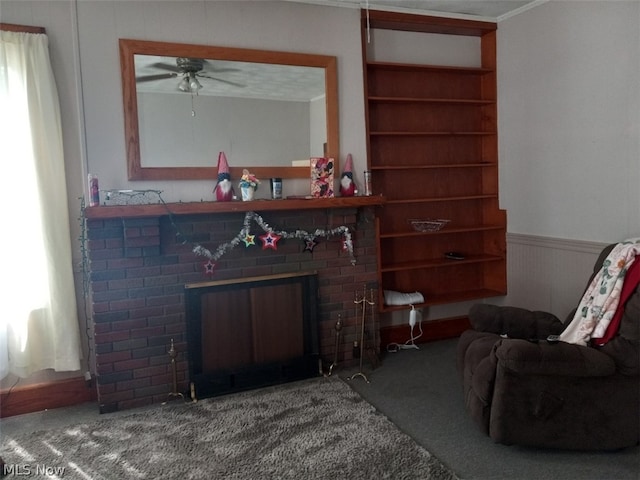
338,328
363,302
174,371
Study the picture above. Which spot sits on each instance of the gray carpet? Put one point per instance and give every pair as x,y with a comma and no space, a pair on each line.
420,392
315,429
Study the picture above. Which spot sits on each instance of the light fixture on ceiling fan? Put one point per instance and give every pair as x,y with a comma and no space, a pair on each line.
189,83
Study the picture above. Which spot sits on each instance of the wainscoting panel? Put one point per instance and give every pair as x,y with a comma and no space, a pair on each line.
548,274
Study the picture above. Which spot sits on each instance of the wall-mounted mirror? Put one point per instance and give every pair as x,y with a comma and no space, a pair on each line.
183,104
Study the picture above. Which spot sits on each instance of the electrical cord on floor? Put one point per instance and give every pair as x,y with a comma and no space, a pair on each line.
411,343
5,395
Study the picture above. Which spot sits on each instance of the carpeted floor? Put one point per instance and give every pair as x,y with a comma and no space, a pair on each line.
315,429
419,390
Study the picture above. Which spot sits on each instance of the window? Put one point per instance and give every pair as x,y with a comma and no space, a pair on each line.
39,322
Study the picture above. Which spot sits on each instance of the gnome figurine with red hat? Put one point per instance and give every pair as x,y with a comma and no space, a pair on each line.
224,188
347,185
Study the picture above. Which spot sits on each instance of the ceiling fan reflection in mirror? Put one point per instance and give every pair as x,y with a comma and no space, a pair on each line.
190,69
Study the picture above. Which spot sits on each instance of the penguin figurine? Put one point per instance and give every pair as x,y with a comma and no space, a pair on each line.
224,188
347,185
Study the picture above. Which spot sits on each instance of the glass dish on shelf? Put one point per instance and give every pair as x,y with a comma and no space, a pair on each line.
428,224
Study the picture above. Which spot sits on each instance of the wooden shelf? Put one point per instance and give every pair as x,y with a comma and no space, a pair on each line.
431,136
444,101
413,67
440,199
448,298
440,165
444,231
192,208
439,263
434,134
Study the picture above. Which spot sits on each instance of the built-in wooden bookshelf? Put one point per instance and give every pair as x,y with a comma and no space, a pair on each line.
433,152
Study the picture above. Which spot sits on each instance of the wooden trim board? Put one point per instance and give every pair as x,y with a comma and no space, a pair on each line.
44,396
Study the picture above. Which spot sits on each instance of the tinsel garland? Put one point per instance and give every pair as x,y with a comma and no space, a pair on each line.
270,239
244,234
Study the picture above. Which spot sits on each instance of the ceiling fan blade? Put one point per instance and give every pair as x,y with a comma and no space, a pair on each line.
209,67
221,80
221,70
165,66
159,76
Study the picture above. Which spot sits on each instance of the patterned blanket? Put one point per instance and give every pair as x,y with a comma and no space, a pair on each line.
600,301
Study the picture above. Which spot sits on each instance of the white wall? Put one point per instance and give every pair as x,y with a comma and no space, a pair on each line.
569,102
265,25
568,99
569,120
569,126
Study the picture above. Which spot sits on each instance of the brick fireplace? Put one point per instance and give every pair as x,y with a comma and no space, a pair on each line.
140,264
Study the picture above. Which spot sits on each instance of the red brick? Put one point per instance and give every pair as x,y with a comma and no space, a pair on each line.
114,356
155,316
150,371
130,364
111,337
133,384
107,398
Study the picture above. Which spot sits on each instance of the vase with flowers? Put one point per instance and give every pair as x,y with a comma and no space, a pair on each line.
248,185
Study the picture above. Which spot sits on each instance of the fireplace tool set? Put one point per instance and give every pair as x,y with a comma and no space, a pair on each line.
174,371
359,349
174,393
338,328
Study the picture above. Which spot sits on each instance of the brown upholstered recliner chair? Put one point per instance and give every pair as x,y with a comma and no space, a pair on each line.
524,390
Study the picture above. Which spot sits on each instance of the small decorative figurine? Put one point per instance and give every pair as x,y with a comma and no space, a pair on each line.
347,185
248,185
224,188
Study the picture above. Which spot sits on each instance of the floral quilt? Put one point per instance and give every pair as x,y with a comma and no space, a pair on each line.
600,301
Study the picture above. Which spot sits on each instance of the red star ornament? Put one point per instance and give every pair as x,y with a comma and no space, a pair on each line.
270,240
210,267
310,244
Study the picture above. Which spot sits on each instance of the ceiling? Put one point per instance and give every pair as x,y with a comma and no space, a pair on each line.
486,10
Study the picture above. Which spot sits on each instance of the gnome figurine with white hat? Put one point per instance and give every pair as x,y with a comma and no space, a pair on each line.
347,185
224,188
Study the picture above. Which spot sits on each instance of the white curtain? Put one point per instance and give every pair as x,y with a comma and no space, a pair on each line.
38,316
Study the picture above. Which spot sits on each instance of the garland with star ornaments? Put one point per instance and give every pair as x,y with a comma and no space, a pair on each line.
270,239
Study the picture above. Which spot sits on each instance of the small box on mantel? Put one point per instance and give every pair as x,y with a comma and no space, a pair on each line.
322,177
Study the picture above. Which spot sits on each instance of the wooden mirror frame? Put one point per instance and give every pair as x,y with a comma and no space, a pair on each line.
135,170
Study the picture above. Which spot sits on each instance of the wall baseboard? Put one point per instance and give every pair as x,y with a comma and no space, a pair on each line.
440,329
44,396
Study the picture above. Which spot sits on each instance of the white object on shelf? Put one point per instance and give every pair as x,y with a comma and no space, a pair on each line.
392,297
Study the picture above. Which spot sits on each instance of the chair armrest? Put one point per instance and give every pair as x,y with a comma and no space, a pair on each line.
514,322
559,359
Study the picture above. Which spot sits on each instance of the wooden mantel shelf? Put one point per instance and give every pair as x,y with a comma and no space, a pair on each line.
191,208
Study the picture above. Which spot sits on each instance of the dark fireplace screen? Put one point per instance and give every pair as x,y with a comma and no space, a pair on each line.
252,332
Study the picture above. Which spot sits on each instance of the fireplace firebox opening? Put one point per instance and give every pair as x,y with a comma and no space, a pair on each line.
251,332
